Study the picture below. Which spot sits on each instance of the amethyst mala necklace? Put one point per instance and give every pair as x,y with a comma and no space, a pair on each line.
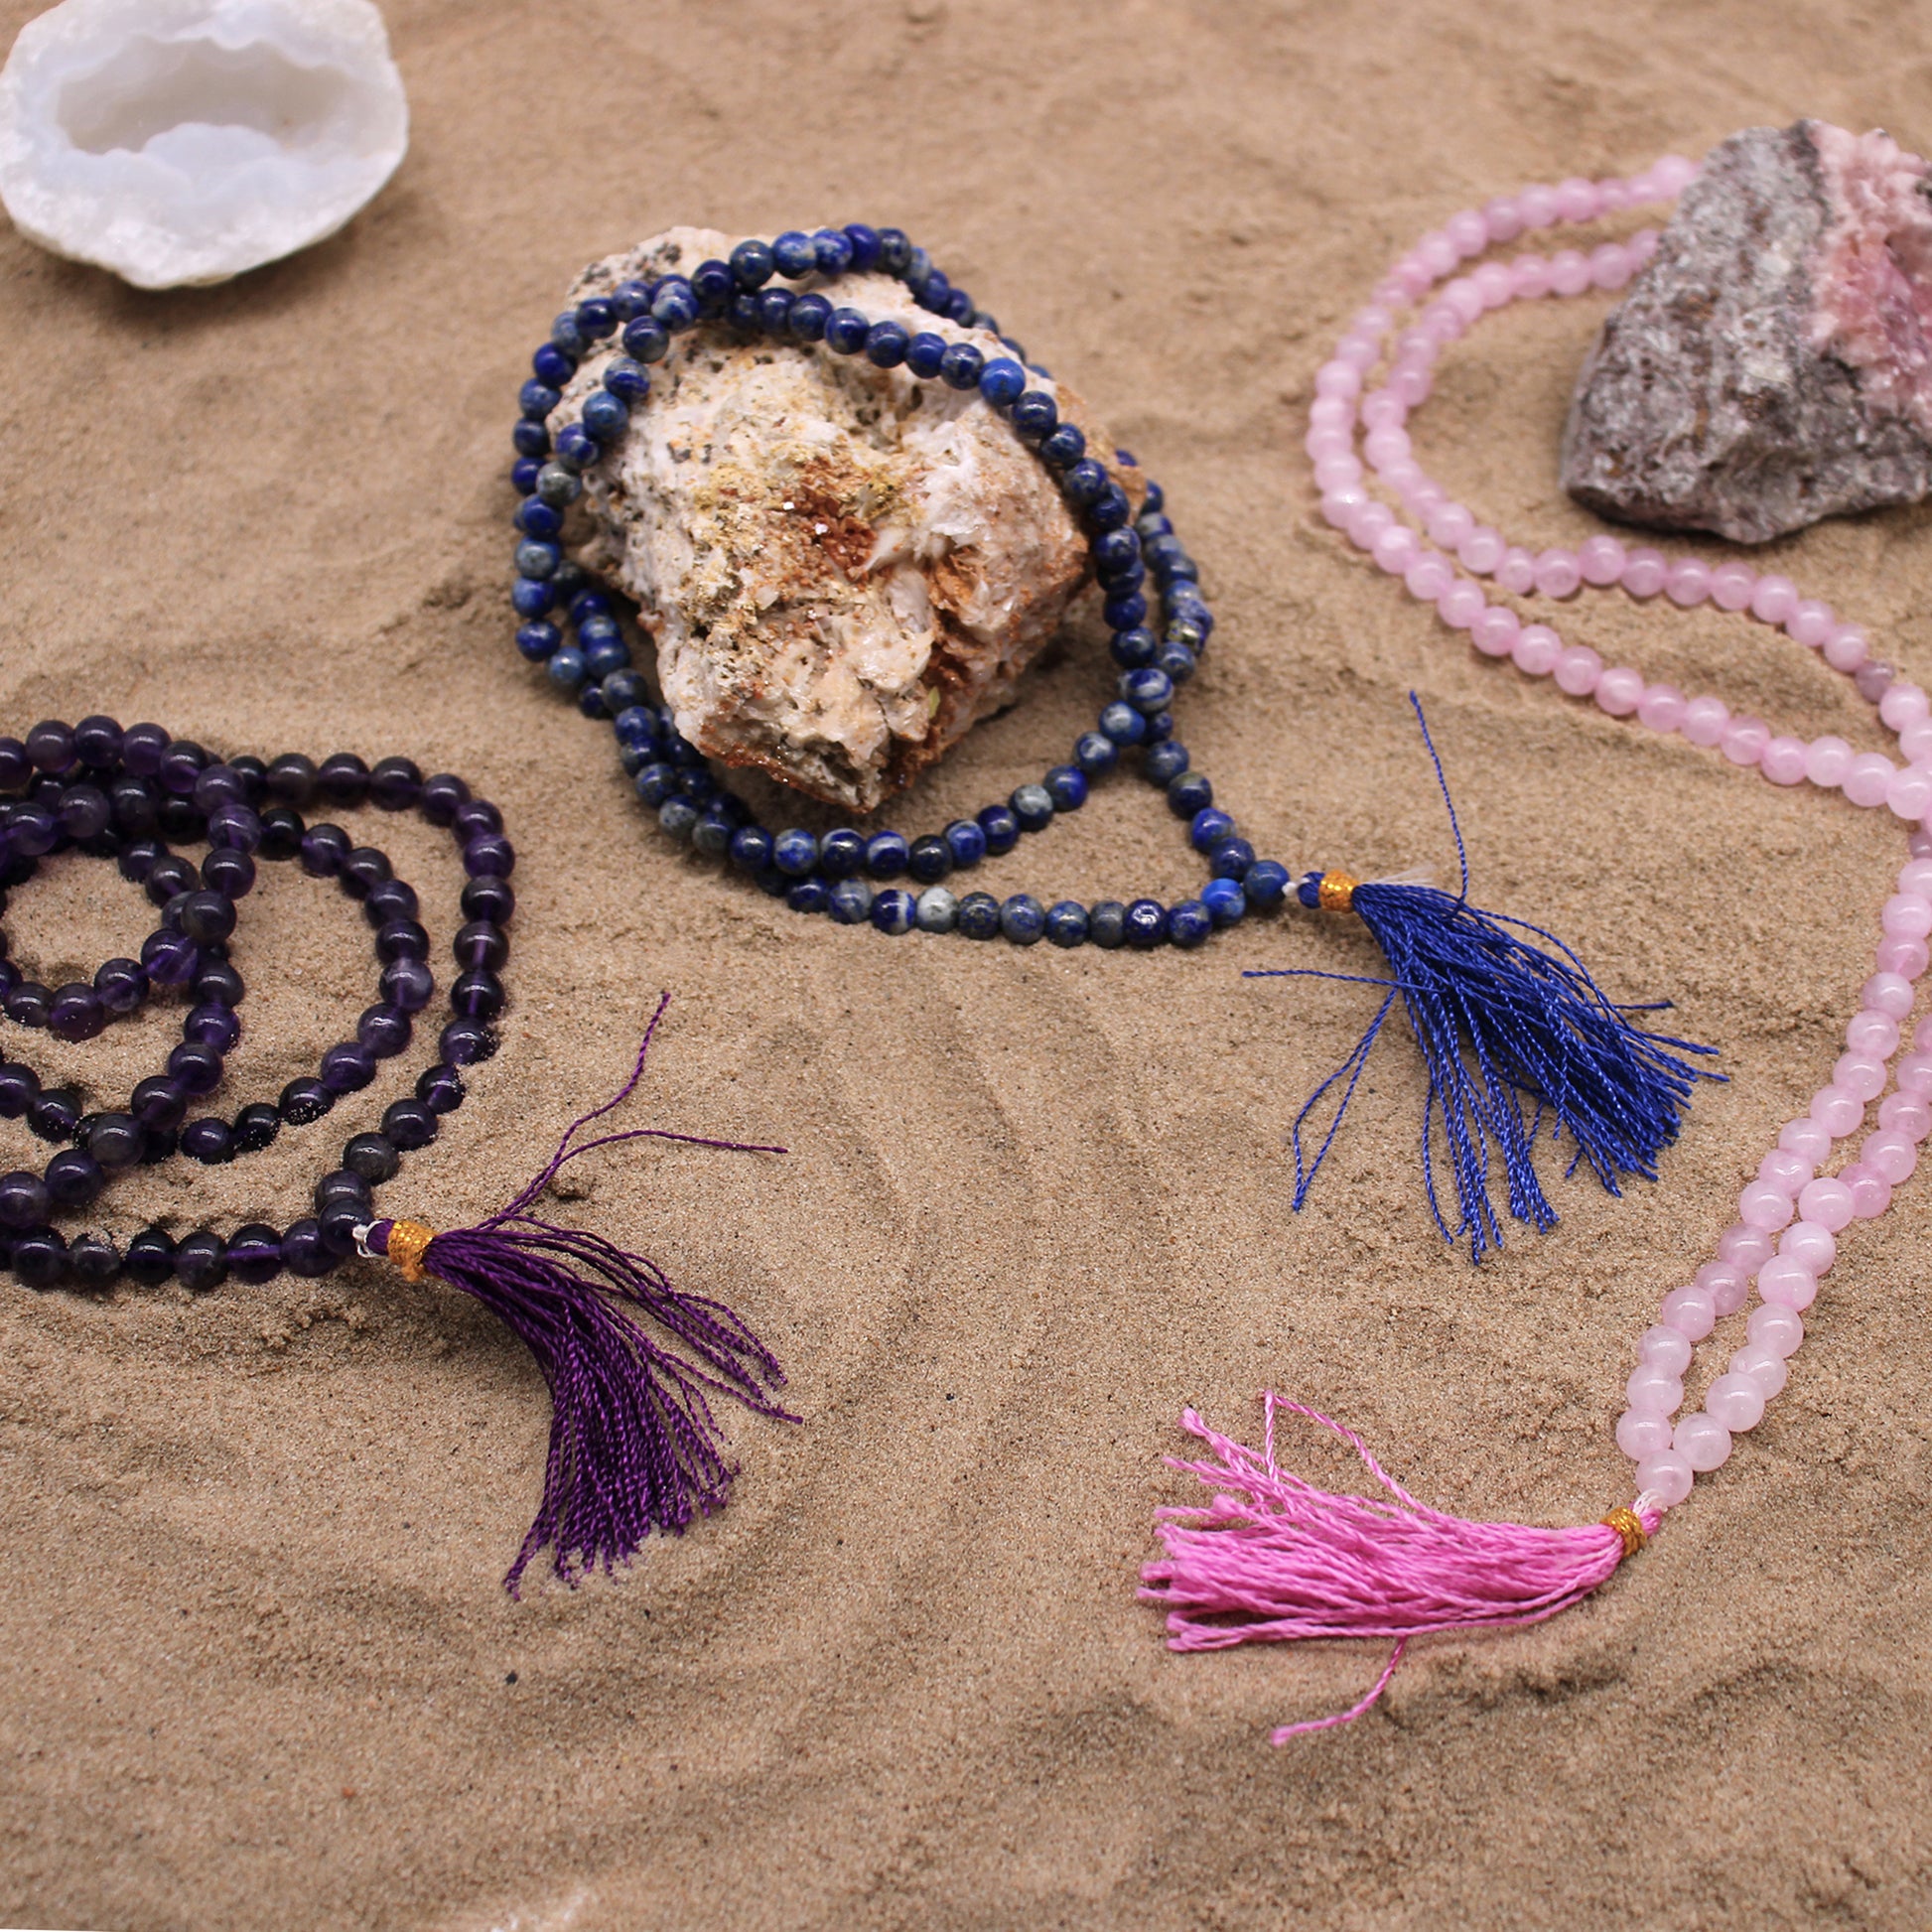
633,1446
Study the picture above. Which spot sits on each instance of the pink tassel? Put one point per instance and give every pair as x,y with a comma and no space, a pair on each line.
1274,1559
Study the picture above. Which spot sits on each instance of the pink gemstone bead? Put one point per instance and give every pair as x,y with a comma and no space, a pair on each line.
1429,575
1368,523
1908,1114
1492,283
1503,217
1731,586
1908,958
1906,916
1744,740
1764,1205
1461,604
1558,573
1870,1191
1361,352
1641,1432
1464,298
1846,648
1611,266
1410,381
1665,1475
1330,412
1517,572
1337,471
1338,507
1915,876
1577,670
1467,231
1726,1283
1875,1034
1909,794
1735,1401
1494,634
1537,204
1385,445
1687,582
1889,993
1528,277
1338,379
1890,1154
1705,719
1783,761
1922,1034
1664,1348
1915,742
1536,650
1860,1074
1806,1137
1619,690
1747,1248
1914,1073
1322,444
1869,778
1839,1112
1645,571
1764,1367
1812,1247
1437,252
1703,1442
1481,550
1691,1311
1569,272
1450,524
1785,1281
1600,560
1810,624
1661,707
1785,1170
1396,549
1902,704
1382,410
1828,1202
1827,761
1781,1330
1654,1391
1774,598
1578,200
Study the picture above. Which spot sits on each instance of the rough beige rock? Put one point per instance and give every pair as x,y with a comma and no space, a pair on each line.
844,568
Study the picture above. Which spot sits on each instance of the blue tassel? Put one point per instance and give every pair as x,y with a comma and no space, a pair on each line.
1507,1032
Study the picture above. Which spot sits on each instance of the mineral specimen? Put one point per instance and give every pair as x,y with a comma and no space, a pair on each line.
843,567
184,141
1773,364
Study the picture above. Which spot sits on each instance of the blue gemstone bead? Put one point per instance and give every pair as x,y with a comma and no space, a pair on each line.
1067,923
745,310
1265,885
794,852
1083,482
577,448
1146,924
535,518
587,605
675,306
596,318
865,244
1095,752
1159,727
886,345
1064,448
962,366
648,340
623,690
960,306
1107,924
530,439
1151,523
1133,651
931,286
712,835
1147,691
894,250
537,640
1163,763
1032,806
714,284
794,254
635,724
1115,552
979,916
1188,793
938,911
1231,859
604,656
841,854
538,399
774,311
808,896
998,828
1066,786
566,667
929,861
604,415
846,330
628,300
925,353
1124,612
832,251
1208,828
553,367
539,560
752,264
1122,724
966,842
750,847
656,782
678,815
1188,923
1226,900
893,911
1036,416
809,315
1176,660
1003,381
850,902
531,597
1110,510
1022,919
886,855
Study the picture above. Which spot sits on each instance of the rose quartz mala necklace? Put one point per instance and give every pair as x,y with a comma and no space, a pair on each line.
1273,1558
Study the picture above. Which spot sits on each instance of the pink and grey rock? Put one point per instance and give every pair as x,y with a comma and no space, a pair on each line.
844,568
1773,364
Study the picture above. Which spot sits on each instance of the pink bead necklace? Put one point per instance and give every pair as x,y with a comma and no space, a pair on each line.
1275,1558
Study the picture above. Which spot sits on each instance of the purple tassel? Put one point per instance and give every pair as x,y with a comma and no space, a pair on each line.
634,1444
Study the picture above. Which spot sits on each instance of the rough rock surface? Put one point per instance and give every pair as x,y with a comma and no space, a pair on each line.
843,567
1773,364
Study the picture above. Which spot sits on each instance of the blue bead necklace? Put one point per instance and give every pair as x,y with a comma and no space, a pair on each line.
846,874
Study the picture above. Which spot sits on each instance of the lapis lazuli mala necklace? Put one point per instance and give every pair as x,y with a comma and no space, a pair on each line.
633,1446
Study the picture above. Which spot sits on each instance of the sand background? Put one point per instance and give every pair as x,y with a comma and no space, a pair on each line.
255,1666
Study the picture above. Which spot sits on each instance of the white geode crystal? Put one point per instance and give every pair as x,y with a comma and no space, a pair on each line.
184,141
843,567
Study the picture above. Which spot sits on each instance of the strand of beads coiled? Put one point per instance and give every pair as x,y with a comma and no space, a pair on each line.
1791,1214
1155,642
129,796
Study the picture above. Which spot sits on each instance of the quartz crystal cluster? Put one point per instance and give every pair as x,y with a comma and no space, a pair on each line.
185,141
844,568
1773,362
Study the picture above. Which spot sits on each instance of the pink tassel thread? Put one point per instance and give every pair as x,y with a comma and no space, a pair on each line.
1274,1559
